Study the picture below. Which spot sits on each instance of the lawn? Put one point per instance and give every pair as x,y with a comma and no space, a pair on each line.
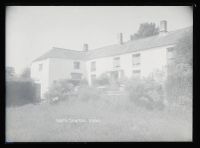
100,120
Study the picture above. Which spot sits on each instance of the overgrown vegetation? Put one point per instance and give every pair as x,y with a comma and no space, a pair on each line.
86,93
146,93
59,91
19,93
180,75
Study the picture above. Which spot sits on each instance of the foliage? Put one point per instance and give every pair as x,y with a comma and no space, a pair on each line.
26,74
103,80
179,84
184,49
86,93
10,73
146,93
179,81
59,90
146,30
21,92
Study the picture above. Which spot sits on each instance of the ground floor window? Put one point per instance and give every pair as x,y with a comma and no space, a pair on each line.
136,73
76,76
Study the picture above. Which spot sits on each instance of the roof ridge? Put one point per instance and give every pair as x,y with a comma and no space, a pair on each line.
126,41
102,47
158,33
108,49
181,29
66,49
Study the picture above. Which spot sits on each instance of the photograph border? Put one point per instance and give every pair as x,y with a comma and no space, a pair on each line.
196,47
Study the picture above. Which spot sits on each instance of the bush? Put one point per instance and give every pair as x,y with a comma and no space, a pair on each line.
179,85
103,80
86,93
20,92
146,93
60,90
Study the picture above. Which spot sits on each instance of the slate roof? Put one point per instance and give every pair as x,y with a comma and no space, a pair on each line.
63,54
169,38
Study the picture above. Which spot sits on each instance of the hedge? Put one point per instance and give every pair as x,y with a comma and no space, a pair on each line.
21,92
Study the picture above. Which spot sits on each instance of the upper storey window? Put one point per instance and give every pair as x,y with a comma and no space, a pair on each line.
170,53
93,66
40,67
76,65
116,62
136,59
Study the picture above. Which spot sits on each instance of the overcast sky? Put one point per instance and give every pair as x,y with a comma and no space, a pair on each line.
32,31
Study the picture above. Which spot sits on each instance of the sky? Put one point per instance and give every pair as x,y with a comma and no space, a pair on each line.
33,30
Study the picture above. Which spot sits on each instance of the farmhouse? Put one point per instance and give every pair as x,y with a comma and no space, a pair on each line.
138,58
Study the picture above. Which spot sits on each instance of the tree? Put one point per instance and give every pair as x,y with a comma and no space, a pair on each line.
26,73
59,90
10,73
184,50
183,56
179,84
146,30
103,79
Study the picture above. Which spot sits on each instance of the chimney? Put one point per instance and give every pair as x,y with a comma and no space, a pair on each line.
85,47
131,37
120,38
163,26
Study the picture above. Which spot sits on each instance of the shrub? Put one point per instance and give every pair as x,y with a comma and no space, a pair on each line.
146,93
179,85
86,93
60,90
102,80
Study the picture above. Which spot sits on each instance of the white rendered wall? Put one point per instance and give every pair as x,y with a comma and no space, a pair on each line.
150,60
62,69
41,77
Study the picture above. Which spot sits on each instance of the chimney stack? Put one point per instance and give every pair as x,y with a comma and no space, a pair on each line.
120,38
163,26
85,47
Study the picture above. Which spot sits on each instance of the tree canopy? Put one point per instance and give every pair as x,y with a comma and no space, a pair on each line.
26,73
10,73
146,30
184,50
183,56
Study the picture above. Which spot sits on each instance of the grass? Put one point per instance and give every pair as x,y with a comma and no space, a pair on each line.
115,119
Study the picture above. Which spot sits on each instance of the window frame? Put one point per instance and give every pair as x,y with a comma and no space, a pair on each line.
136,71
76,73
93,66
116,62
171,51
78,63
136,56
40,68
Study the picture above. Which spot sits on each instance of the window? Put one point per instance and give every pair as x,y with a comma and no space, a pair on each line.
93,78
40,67
136,73
170,53
93,66
136,59
76,76
116,62
76,65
